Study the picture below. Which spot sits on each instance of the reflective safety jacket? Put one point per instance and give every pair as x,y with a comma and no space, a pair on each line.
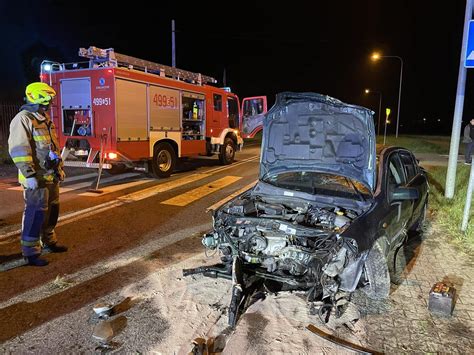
32,136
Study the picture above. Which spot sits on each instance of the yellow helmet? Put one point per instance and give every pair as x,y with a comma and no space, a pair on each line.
39,93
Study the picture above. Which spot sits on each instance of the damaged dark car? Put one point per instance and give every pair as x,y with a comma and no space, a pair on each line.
329,210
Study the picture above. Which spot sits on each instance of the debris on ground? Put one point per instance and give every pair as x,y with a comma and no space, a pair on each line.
61,283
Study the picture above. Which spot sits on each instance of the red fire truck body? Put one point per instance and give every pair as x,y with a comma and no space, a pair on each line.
122,112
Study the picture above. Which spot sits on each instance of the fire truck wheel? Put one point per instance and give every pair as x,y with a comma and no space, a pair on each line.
164,160
227,154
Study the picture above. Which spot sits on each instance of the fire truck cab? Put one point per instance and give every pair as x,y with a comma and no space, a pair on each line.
118,112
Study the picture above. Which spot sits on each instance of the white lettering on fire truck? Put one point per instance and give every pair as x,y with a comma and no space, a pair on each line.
102,101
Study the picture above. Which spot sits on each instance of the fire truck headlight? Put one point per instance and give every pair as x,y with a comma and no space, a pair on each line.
47,67
112,155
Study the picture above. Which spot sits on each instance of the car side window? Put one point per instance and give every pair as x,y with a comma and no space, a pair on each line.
409,164
395,173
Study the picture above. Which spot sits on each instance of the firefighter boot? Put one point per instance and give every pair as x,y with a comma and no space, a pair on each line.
35,260
54,248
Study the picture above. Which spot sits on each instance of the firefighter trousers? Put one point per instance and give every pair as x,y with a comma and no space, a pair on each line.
39,218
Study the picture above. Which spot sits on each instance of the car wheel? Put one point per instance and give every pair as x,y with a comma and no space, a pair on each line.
227,154
164,160
397,260
376,274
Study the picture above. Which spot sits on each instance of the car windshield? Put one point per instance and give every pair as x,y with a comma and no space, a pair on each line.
319,184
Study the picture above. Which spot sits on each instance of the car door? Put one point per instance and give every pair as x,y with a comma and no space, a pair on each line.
253,112
415,178
215,116
400,212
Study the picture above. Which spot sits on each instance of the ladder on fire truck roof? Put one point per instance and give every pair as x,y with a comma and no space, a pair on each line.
108,57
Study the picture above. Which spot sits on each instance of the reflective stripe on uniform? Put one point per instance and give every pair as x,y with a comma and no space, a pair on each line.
22,178
22,159
41,138
30,244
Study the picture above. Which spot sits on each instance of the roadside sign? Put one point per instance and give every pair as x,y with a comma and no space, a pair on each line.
469,62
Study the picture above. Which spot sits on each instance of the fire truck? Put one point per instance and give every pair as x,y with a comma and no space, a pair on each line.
119,112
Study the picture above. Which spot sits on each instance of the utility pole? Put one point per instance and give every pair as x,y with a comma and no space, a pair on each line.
173,46
399,95
467,206
380,109
458,109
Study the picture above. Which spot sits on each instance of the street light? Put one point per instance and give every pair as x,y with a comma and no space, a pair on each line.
368,91
376,56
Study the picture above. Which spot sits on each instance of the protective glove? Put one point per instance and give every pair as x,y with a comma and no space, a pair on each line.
31,183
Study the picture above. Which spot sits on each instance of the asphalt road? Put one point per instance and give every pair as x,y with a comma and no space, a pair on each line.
131,212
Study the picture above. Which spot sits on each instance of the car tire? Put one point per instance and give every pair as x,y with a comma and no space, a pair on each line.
227,154
376,274
397,263
164,160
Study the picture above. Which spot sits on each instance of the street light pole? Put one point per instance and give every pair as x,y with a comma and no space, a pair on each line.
380,109
376,56
399,94
368,91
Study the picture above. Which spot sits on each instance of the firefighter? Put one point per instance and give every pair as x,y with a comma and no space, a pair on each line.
34,148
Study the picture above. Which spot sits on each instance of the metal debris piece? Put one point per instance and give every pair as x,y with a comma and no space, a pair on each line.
106,330
103,332
103,310
341,342
210,346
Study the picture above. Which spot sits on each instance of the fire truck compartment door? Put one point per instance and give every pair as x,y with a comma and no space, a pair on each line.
164,109
76,93
132,119
76,106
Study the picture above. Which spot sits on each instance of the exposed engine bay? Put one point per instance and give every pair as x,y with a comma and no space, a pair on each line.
287,244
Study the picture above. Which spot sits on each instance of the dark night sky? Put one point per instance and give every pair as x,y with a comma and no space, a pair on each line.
265,48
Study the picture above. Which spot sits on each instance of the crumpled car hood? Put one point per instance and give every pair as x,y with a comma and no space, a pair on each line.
318,133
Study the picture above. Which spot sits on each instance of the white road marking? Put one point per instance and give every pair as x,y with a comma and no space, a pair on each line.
199,192
86,184
128,198
104,266
114,188
80,177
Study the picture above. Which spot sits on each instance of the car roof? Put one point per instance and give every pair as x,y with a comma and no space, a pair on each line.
380,147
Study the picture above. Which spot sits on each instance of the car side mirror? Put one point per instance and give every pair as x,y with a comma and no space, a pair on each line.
404,193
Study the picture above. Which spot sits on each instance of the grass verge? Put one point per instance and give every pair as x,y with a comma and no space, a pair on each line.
449,213
420,144
417,144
